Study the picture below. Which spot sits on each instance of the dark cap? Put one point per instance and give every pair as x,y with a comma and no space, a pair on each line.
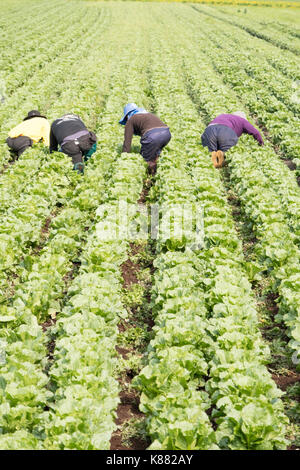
33,114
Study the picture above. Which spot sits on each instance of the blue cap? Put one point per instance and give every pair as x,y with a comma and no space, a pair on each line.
128,108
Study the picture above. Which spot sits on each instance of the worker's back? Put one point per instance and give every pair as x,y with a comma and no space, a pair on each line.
36,128
67,125
142,122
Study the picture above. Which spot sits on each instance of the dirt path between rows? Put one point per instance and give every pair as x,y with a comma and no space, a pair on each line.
131,433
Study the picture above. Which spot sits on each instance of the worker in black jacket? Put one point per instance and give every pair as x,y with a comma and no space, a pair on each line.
70,133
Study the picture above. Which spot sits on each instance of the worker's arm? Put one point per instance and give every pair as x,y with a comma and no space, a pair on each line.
46,133
128,137
53,142
251,130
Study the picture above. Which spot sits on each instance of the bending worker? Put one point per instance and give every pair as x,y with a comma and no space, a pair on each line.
223,133
70,133
155,135
34,128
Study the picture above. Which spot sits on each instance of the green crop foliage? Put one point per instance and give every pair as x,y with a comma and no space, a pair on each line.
203,381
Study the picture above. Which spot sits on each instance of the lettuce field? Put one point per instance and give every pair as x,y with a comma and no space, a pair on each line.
138,342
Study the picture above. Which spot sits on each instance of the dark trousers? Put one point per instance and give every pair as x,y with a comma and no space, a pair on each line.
76,149
219,137
153,142
18,145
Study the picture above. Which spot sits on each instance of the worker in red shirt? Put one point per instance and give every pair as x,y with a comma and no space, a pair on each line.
155,134
223,133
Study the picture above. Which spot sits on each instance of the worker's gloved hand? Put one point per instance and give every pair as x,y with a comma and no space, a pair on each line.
90,152
79,167
217,158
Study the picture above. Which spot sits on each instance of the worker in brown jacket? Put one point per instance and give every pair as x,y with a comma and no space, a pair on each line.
155,135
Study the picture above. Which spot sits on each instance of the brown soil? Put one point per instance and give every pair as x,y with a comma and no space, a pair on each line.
266,133
127,409
145,191
129,399
129,270
51,345
47,324
263,129
144,194
45,231
123,351
283,381
68,278
52,321
290,164
129,406
272,305
45,228
248,238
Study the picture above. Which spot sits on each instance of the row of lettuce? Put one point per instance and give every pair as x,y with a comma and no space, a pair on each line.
284,22
25,390
66,398
205,385
270,94
268,192
37,298
48,38
267,189
36,185
283,40
57,86
86,396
